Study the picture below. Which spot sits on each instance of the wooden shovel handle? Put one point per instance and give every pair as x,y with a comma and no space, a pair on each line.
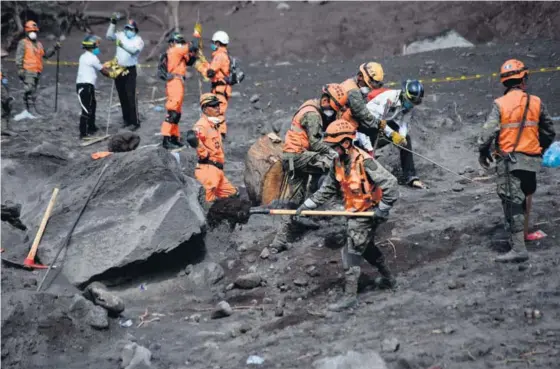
42,227
322,213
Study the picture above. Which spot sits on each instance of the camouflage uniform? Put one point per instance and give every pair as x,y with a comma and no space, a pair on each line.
314,162
360,231
30,79
516,179
368,123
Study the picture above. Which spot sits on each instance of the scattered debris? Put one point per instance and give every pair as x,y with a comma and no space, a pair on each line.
457,187
144,318
455,284
134,356
301,282
312,271
248,281
390,345
283,6
222,310
531,313
255,360
254,98
265,253
125,323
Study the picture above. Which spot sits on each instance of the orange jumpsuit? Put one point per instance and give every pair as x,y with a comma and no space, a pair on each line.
210,169
177,59
220,65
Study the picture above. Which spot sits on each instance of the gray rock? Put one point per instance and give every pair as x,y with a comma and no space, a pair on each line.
301,282
455,284
252,269
98,318
283,6
134,356
248,281
457,187
206,274
265,253
312,271
448,329
254,98
390,345
230,287
99,295
195,318
222,310
86,311
469,169
230,264
279,309
352,360
188,269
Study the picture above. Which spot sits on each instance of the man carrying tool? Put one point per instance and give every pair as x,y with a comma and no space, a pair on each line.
218,71
180,54
305,154
29,62
207,140
395,107
365,186
522,129
129,46
88,66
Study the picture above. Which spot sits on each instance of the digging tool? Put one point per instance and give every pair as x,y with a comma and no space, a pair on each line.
56,86
29,261
66,241
322,213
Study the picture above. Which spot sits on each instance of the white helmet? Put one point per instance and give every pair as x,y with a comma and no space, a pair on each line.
221,37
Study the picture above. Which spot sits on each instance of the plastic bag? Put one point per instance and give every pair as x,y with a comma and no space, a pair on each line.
551,157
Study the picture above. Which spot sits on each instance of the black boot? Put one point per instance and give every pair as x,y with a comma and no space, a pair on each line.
168,144
177,142
373,255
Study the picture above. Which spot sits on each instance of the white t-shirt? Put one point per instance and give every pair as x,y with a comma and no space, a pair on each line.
88,67
390,100
127,56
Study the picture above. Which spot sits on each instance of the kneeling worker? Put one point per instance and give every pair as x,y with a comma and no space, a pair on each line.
365,186
207,140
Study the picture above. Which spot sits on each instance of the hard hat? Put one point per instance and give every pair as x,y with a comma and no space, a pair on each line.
338,98
131,24
177,37
91,42
372,73
513,69
338,130
221,37
31,26
209,99
413,91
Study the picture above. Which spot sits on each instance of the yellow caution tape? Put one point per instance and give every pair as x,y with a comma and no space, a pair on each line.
423,80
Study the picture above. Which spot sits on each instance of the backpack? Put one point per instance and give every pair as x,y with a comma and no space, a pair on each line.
162,67
236,75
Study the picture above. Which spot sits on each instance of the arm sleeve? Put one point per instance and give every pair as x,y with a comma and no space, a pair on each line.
490,130
111,35
49,52
97,64
546,128
364,141
312,123
383,178
133,46
329,189
359,110
19,54
201,150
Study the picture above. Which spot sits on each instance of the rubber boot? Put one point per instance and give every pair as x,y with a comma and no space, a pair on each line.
175,140
168,144
386,280
518,252
280,242
350,297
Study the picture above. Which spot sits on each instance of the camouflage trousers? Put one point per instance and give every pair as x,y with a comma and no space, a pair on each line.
360,243
513,187
30,83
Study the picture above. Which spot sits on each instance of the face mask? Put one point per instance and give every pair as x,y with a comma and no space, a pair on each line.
214,120
365,90
33,35
214,47
129,34
96,51
329,113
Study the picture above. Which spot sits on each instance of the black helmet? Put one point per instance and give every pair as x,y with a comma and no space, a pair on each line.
176,37
413,91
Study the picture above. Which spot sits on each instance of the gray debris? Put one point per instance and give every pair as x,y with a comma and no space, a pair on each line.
222,310
134,356
248,281
254,98
457,187
265,253
352,360
283,6
99,295
312,271
390,345
189,269
455,284
301,282
85,310
206,274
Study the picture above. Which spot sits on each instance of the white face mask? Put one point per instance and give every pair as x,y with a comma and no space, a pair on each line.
214,120
328,112
33,35
365,90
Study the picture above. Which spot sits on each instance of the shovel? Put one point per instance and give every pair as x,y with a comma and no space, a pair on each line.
321,213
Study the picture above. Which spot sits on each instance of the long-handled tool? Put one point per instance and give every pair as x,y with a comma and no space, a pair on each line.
333,213
29,261
69,235
56,86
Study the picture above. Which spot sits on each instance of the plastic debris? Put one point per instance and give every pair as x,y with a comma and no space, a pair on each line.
537,235
158,108
143,287
255,360
551,157
125,323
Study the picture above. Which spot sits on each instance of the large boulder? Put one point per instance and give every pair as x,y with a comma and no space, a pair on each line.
144,207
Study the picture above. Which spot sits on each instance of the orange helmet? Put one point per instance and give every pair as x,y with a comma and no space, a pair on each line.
31,26
338,98
209,99
373,74
513,69
339,130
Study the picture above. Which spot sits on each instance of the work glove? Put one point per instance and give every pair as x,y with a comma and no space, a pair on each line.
21,74
115,17
210,73
119,43
485,158
398,139
307,205
381,212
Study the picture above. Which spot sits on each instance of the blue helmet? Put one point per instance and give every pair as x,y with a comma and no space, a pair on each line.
413,91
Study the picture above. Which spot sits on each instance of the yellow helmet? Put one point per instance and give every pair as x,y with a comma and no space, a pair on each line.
339,130
209,99
372,73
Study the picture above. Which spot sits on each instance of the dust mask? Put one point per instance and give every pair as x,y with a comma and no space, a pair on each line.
328,113
215,120
365,90
33,35
214,47
129,34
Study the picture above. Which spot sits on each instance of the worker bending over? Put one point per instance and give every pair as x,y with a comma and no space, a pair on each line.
29,62
521,129
365,186
207,140
305,154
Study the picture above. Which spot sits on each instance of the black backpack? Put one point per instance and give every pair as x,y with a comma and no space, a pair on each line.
162,67
236,75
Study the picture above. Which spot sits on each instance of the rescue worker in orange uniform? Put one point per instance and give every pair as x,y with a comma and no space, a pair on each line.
207,140
218,70
29,62
305,154
365,186
521,129
180,54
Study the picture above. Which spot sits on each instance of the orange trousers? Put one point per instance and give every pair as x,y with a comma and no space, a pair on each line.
214,181
175,90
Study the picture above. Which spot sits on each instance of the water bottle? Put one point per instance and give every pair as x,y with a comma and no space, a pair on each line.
551,157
